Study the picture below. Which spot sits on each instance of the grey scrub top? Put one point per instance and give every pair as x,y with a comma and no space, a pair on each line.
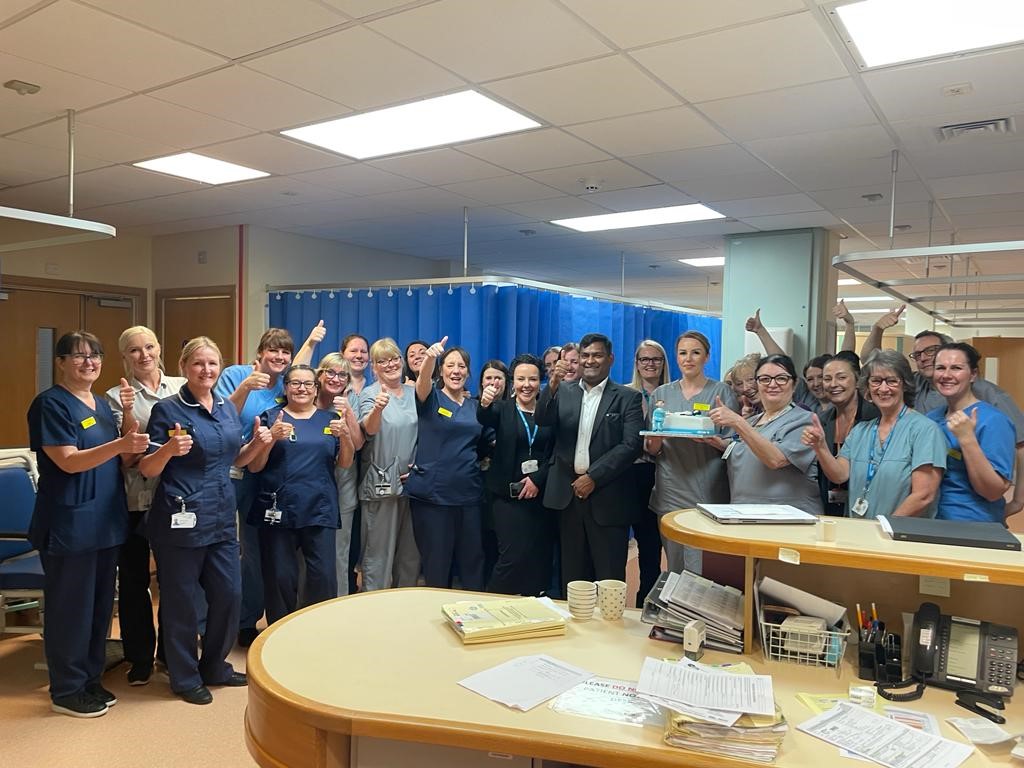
688,472
345,477
915,441
751,482
393,448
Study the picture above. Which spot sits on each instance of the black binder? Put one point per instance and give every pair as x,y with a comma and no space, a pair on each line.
957,533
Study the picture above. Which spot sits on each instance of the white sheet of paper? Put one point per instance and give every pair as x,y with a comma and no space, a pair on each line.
884,741
733,693
526,681
978,730
563,612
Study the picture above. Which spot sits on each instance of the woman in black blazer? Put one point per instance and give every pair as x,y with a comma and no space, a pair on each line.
515,483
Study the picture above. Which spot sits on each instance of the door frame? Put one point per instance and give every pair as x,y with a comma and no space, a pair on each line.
138,296
197,292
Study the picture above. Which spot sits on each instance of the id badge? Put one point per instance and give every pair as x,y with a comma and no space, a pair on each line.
272,516
838,496
183,520
236,473
530,465
860,507
728,450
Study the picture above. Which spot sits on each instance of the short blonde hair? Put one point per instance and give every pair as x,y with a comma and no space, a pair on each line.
385,348
194,345
126,336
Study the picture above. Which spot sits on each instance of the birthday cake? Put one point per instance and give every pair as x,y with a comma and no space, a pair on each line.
688,424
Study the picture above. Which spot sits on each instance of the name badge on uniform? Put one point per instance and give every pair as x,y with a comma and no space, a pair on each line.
728,450
89,422
383,486
278,400
955,454
182,518
838,496
860,507
701,407
327,431
445,412
273,514
236,473
177,432
530,465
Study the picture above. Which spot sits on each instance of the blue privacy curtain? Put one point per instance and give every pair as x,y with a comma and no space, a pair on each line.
489,321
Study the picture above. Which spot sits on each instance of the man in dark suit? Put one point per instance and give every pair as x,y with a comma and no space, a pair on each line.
597,437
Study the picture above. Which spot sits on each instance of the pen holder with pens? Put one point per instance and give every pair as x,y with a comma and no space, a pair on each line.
879,655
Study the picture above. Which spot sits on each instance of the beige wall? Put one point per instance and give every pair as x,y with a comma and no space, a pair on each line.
176,259
122,260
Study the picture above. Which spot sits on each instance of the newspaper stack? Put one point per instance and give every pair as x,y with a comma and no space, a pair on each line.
678,598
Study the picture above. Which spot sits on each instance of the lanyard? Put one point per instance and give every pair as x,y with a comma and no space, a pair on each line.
530,436
872,463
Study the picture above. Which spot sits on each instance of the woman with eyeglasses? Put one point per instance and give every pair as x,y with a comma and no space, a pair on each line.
387,413
79,522
332,376
296,507
893,463
766,460
445,484
687,471
980,438
650,371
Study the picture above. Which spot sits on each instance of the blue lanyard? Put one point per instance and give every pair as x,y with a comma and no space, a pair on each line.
530,436
872,463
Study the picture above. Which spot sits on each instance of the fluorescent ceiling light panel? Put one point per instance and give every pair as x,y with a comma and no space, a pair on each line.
891,31
674,214
709,261
866,298
189,165
433,122
848,281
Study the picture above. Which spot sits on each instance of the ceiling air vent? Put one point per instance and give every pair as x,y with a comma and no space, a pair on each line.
995,126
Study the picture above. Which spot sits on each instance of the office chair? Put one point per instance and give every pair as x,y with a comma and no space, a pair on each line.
21,571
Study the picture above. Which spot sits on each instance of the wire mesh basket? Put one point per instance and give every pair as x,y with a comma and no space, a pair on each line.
814,647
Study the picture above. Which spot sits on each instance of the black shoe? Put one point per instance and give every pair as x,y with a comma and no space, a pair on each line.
246,636
79,705
236,680
101,694
139,674
198,695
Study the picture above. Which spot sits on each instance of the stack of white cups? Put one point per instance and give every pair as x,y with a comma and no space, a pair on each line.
582,599
611,598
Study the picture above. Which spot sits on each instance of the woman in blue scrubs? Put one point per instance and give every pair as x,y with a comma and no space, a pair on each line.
446,485
79,522
296,507
191,522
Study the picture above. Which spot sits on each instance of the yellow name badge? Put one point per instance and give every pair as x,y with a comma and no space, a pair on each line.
89,422
701,407
445,412
327,431
278,400
177,432
955,454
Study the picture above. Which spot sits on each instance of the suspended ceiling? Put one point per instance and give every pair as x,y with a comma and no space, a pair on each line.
754,108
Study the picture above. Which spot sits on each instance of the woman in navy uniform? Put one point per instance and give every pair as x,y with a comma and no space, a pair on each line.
445,485
296,507
191,522
79,522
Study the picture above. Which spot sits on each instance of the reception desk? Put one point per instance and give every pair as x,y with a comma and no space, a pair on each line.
372,680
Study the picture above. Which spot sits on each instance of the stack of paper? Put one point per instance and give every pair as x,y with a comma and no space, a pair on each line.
524,682
678,598
488,621
714,712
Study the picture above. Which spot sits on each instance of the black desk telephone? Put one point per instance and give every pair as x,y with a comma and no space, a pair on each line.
972,657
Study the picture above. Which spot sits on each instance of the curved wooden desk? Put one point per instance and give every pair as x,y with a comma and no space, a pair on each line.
383,665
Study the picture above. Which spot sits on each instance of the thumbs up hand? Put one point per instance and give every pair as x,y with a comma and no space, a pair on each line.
135,441
257,379
126,394
281,429
436,349
962,426
260,433
488,396
754,323
724,416
317,334
814,435
179,442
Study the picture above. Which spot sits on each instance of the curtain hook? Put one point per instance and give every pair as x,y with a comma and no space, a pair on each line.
298,295
278,297
430,291
369,292
450,289
350,293
472,289
409,292
312,295
330,295
390,292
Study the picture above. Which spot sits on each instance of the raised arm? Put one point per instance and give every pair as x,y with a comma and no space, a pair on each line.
874,339
840,312
836,468
754,325
425,378
304,355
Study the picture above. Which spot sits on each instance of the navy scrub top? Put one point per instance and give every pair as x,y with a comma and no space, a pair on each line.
201,477
447,470
301,472
80,511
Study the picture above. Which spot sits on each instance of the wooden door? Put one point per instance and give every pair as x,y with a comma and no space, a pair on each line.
185,314
32,323
107,318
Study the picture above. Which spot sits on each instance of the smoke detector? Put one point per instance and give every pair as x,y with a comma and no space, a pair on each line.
590,184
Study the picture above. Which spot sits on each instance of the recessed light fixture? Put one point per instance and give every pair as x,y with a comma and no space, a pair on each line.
709,261
461,116
189,165
848,281
649,217
883,32
866,298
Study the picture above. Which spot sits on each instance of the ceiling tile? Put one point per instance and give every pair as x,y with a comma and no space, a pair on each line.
1008,183
793,221
985,203
824,146
326,213
777,53
905,213
766,206
483,41
662,131
853,197
591,90
429,200
961,159
22,163
639,198
734,186
358,179
534,150
335,66
607,175
274,154
502,190
359,9
232,28
166,123
11,8
557,208
279,191
846,173
440,166
243,96
697,163
646,21
93,44
803,109
104,186
102,143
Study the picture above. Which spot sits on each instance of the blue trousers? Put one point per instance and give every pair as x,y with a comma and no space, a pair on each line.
449,536
79,594
249,538
215,569
279,547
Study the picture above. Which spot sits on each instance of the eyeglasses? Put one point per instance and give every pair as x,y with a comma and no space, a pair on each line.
389,362
890,381
650,360
301,384
781,379
80,357
926,352
335,375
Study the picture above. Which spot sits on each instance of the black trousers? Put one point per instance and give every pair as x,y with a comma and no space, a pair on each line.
134,602
525,532
589,550
447,537
280,566
645,529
